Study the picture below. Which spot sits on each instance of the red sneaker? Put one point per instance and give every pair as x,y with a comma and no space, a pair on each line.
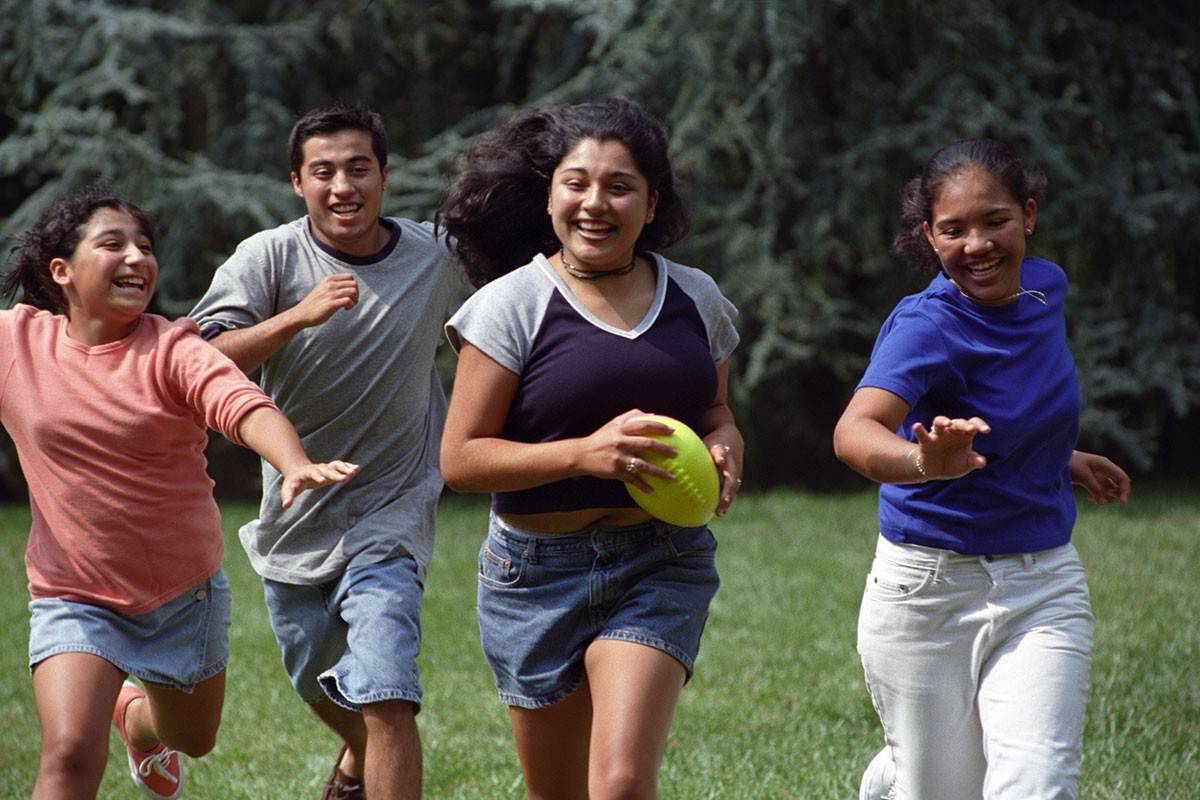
158,772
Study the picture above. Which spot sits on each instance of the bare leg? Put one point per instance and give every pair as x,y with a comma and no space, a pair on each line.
553,745
182,721
393,766
350,727
634,692
75,694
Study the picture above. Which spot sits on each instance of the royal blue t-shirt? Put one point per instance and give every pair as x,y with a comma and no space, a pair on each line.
1009,365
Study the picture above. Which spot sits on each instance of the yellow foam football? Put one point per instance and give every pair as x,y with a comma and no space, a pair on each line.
691,499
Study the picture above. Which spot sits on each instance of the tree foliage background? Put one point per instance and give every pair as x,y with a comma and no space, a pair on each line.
794,125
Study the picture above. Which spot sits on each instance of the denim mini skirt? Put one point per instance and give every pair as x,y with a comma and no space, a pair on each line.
543,598
177,645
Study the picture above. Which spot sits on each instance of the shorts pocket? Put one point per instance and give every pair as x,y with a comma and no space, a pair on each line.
693,542
892,582
499,570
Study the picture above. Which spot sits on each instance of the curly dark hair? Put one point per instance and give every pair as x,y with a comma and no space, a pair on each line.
331,119
916,199
55,235
495,209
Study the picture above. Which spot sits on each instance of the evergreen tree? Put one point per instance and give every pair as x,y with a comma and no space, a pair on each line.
794,124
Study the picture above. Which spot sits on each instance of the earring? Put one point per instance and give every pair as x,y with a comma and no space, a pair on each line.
1029,231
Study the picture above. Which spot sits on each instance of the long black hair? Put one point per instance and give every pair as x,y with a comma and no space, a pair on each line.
916,199
56,235
495,209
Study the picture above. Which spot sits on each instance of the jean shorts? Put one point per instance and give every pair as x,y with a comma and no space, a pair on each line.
354,639
177,645
543,598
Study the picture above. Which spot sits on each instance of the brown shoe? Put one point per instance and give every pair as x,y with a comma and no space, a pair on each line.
341,786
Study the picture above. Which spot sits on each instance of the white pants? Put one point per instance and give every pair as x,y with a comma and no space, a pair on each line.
978,667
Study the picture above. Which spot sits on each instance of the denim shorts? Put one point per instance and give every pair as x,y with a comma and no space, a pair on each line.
543,598
355,639
177,645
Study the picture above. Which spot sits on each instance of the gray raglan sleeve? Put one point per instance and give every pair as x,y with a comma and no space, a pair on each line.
501,319
717,312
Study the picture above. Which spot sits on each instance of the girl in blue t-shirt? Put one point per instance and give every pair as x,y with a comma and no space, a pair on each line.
590,612
976,629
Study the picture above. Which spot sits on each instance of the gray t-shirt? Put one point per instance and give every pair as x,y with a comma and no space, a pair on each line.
361,387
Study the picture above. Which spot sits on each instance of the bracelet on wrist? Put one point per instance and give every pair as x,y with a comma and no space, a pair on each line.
919,463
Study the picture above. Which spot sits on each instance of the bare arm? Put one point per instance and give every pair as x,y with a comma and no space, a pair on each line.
268,433
250,347
865,439
475,459
720,433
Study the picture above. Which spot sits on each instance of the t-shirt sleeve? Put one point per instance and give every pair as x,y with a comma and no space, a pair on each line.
500,320
909,357
210,384
242,293
8,319
717,312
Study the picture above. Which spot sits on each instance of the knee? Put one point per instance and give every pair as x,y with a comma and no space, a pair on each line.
389,715
622,780
71,756
193,743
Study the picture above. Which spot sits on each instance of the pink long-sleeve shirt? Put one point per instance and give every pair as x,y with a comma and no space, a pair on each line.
111,440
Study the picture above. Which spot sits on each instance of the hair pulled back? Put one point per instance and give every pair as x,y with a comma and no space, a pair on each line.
916,199
56,235
495,209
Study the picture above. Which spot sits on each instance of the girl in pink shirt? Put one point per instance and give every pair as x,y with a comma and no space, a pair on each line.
108,407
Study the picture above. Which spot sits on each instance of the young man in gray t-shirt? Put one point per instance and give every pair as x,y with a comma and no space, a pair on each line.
343,311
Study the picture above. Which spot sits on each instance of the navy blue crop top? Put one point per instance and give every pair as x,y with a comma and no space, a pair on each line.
577,373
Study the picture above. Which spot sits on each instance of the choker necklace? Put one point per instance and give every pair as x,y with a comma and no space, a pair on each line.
595,274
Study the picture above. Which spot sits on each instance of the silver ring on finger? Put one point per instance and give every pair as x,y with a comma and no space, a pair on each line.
631,466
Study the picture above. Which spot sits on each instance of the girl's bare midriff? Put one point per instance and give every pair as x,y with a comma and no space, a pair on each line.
574,521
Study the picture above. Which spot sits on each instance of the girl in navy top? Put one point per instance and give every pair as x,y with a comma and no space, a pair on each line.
976,630
590,611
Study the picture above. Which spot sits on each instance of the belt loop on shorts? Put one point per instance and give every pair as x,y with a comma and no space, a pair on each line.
531,547
1029,560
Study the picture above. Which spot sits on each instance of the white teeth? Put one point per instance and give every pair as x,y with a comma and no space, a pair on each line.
349,209
984,267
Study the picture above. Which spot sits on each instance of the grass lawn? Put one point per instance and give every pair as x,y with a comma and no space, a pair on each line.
777,708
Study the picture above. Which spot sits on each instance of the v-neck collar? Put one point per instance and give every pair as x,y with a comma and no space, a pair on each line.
660,294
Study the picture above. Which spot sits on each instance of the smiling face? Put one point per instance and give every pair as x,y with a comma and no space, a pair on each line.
342,184
978,229
599,202
109,279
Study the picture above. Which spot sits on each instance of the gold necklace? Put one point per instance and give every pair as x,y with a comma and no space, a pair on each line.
595,274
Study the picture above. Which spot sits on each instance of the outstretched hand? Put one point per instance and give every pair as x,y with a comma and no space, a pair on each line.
1103,480
312,476
615,450
945,448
